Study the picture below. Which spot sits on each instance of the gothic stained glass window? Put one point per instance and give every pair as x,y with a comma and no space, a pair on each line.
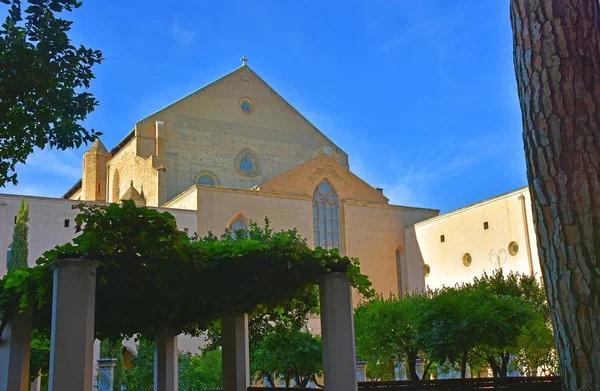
236,225
247,163
207,179
326,216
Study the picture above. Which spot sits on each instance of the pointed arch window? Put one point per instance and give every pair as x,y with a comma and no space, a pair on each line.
326,216
239,223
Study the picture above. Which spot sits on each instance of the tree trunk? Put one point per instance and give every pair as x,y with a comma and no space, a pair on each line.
426,370
505,357
557,65
494,366
463,367
412,366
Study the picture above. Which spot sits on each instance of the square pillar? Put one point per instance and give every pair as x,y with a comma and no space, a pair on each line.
72,334
236,362
14,353
337,330
106,373
166,356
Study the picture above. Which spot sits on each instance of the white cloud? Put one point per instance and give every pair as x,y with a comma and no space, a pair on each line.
181,35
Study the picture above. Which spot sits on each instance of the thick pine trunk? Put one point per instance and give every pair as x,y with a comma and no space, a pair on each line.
557,65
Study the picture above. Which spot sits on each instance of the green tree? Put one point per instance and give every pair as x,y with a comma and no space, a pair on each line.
19,251
533,347
458,321
287,353
386,334
114,349
556,56
44,78
140,377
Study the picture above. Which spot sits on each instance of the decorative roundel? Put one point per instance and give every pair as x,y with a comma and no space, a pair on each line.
467,259
246,105
247,163
426,270
513,248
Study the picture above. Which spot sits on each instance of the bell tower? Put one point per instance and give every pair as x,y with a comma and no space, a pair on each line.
93,180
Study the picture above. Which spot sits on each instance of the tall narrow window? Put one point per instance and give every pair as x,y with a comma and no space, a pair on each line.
326,216
401,272
8,254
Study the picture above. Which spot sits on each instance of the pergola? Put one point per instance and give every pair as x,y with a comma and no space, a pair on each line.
132,267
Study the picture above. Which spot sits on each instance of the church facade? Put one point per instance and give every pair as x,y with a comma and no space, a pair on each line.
235,151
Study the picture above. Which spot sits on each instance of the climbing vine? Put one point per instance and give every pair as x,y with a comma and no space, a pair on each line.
153,277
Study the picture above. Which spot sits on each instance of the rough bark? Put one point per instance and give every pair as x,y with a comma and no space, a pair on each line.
557,66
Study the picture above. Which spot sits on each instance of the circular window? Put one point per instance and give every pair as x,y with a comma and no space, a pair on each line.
246,105
467,259
426,270
513,248
246,163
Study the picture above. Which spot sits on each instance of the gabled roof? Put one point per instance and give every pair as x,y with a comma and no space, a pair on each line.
304,178
243,67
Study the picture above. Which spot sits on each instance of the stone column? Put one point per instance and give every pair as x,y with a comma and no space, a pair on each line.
36,384
14,353
106,372
236,368
337,330
165,362
72,336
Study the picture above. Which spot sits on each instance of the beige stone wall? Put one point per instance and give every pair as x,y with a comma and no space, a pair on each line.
304,179
464,232
131,167
206,130
187,200
218,207
373,233
93,183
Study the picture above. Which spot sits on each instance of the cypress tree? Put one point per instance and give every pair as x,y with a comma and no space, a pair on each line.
19,252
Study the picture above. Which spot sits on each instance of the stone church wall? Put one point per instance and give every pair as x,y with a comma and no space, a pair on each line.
131,167
206,130
373,233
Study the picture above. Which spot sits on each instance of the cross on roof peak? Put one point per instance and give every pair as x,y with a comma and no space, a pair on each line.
244,60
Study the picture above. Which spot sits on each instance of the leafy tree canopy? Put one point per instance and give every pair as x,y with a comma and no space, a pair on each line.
293,355
456,321
386,334
44,78
153,277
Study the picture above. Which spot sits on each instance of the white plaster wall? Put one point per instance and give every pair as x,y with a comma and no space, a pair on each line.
46,224
464,233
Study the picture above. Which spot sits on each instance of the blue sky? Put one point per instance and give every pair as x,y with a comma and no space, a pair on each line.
420,94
